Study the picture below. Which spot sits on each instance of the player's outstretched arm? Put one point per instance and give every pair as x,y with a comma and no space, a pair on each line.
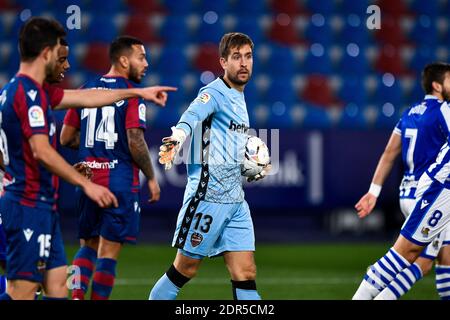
393,148
48,157
91,98
141,156
69,137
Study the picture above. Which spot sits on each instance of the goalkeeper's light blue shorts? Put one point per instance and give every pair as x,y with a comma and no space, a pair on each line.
210,229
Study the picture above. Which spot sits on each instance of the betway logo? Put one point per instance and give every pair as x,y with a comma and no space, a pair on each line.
102,165
238,127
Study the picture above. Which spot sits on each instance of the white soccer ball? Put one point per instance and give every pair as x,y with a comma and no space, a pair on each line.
256,157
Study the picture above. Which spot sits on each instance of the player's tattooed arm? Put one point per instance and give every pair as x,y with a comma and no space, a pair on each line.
141,156
70,137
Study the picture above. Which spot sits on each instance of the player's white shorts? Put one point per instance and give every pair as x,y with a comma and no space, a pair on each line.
431,215
443,238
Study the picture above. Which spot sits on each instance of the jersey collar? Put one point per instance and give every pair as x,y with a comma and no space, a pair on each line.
430,97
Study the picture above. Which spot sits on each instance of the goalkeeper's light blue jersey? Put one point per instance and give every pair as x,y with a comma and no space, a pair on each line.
424,128
217,121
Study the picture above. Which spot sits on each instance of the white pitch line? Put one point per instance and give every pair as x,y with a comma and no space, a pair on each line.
267,281
264,281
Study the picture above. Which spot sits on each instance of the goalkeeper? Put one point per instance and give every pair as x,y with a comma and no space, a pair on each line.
214,219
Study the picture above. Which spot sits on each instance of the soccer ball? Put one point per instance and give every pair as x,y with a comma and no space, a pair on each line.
256,157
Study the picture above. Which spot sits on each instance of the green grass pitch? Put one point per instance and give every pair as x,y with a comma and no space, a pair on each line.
286,272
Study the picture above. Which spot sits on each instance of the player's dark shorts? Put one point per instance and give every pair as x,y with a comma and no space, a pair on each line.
114,224
2,242
34,243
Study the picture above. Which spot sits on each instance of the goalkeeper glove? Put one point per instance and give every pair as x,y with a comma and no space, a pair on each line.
170,147
262,174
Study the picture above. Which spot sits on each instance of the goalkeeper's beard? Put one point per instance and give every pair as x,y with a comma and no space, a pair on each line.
236,81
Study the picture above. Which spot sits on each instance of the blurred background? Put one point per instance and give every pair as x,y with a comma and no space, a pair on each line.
333,87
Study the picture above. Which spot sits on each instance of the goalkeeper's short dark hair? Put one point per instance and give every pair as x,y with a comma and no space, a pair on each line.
122,46
233,40
434,71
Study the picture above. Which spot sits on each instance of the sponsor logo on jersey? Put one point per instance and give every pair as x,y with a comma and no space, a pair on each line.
28,233
423,204
204,97
142,111
242,128
32,94
196,239
36,116
102,165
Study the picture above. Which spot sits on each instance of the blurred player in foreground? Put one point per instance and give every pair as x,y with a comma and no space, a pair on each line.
418,136
215,218
35,252
111,143
61,67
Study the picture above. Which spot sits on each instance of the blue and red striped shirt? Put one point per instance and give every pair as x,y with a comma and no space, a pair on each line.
25,108
103,136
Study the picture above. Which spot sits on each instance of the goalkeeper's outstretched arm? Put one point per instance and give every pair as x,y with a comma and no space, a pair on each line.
199,110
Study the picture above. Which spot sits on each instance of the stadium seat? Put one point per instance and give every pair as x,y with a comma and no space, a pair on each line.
316,118
424,31
109,7
391,32
174,30
254,7
145,6
422,55
37,7
394,9
250,25
218,6
209,32
291,7
138,25
356,7
318,91
207,59
319,33
284,34
280,62
354,34
317,64
102,28
352,117
280,90
390,60
353,91
349,65
172,61
392,94
96,58
177,7
430,8
324,6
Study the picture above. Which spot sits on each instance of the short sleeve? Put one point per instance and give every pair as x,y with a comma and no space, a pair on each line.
136,114
72,118
31,109
55,94
398,127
